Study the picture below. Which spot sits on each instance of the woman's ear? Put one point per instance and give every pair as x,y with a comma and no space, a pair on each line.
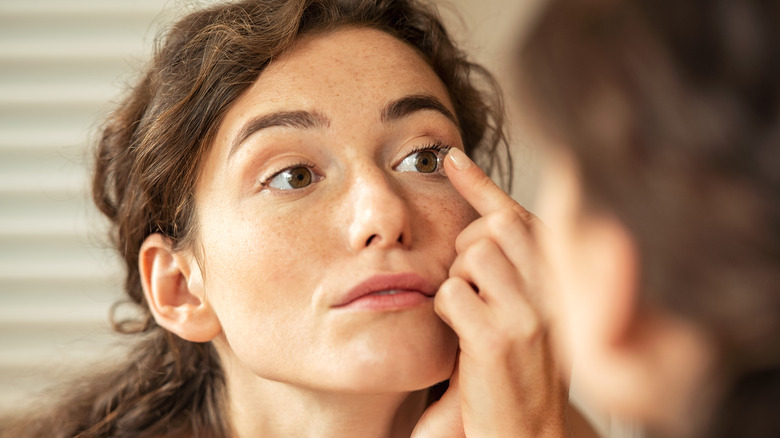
637,357
602,313
173,285
613,260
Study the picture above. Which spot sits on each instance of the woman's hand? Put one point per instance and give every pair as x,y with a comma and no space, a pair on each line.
506,382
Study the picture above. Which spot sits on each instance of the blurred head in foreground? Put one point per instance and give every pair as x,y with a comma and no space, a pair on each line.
662,126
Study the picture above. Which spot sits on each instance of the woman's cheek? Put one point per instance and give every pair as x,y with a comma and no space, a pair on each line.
460,212
451,215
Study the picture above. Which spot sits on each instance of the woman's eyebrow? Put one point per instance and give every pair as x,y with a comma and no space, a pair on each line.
417,102
395,110
295,119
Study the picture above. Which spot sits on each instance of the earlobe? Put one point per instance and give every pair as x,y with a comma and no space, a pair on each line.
173,286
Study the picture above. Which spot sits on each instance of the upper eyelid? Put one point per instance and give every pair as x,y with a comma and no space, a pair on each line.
440,148
437,146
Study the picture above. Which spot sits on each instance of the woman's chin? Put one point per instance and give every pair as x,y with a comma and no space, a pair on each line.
398,376
405,351
403,369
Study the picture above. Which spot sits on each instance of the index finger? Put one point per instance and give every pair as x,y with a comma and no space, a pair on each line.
477,188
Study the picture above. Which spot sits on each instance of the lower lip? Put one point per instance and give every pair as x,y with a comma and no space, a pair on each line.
387,302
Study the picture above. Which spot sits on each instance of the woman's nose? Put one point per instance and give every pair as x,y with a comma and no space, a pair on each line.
380,214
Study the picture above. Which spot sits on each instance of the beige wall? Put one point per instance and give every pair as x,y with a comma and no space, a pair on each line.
490,30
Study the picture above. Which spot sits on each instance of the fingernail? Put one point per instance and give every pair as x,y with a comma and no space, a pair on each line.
459,159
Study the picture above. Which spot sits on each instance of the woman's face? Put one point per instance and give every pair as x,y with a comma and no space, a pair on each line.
325,224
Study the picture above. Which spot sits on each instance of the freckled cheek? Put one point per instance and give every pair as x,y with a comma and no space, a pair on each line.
290,240
445,216
252,253
459,212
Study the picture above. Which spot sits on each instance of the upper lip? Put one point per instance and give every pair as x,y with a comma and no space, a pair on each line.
403,281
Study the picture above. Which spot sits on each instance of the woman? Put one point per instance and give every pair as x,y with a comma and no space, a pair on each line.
662,203
276,189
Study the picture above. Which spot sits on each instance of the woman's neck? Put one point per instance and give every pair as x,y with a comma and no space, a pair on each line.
270,409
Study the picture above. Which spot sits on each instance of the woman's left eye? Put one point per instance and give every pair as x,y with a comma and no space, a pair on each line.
424,161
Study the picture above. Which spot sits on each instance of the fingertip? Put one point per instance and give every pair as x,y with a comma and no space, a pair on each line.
474,184
459,159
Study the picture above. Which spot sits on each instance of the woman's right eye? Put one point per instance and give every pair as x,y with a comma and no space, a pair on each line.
292,178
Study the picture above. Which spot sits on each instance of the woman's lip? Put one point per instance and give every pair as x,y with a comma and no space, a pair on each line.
404,283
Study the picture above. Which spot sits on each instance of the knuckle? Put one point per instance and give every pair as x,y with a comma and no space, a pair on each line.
531,221
524,214
482,182
476,252
441,302
446,290
449,290
503,220
530,330
461,242
504,339
468,234
455,268
495,344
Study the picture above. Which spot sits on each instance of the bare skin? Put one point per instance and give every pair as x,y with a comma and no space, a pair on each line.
506,383
310,190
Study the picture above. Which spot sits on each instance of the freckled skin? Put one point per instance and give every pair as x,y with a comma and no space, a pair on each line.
274,261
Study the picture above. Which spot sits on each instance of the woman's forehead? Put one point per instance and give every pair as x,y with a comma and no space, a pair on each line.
341,58
333,74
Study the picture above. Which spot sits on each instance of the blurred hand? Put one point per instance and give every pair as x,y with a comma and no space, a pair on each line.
506,382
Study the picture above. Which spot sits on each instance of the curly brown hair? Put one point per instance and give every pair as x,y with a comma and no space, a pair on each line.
148,160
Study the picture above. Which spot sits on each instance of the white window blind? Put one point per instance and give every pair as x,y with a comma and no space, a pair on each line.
61,64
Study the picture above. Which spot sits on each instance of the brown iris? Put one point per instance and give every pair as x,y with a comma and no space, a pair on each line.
298,177
425,162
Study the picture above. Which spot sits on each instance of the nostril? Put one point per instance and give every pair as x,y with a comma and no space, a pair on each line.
374,236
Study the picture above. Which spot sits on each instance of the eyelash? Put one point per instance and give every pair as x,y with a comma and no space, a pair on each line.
439,147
